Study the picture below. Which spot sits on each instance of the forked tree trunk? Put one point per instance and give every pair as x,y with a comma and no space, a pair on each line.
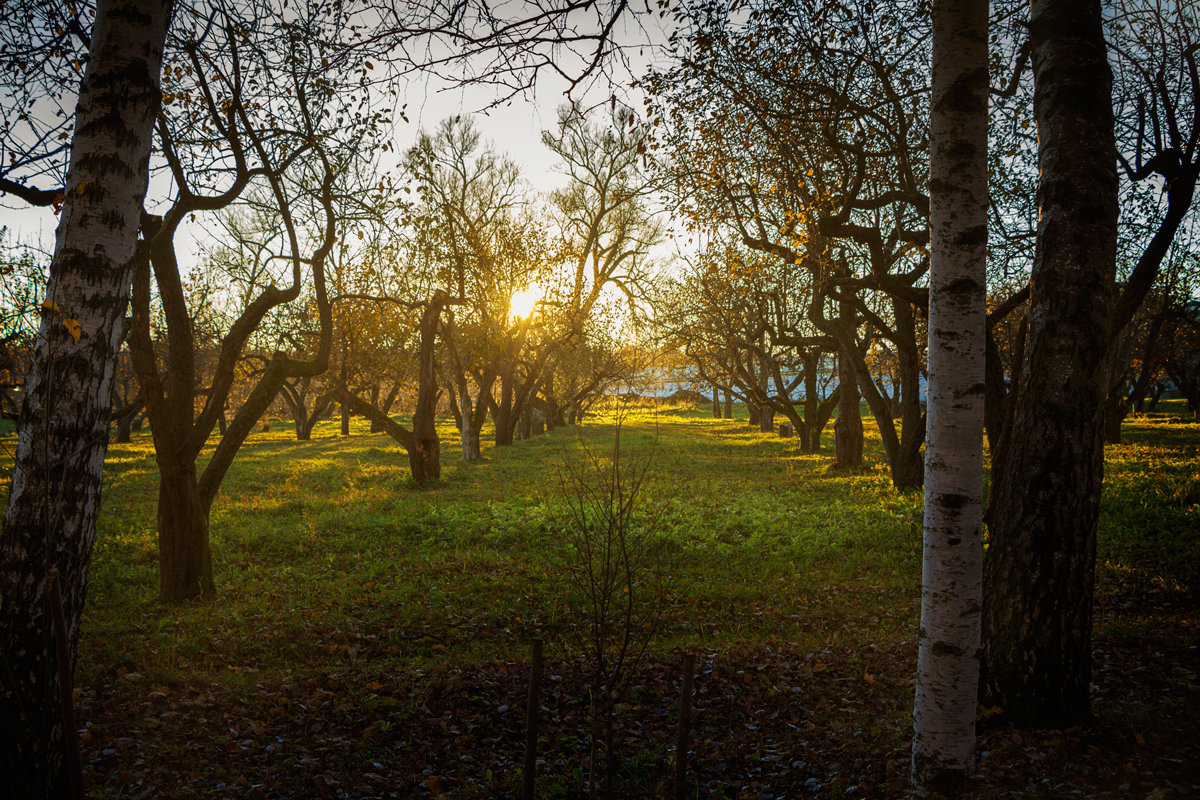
304,425
425,454
50,521
185,569
1155,394
1042,543
903,448
952,578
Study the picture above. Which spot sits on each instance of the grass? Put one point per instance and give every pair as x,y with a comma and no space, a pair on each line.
332,532
360,618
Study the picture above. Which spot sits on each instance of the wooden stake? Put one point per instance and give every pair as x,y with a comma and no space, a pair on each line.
531,719
685,725
66,698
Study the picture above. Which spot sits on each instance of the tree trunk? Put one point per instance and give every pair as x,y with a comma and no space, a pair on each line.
502,411
425,459
903,457
908,471
1041,558
952,579
1115,409
716,404
810,430
1156,393
50,521
727,411
386,406
425,454
468,431
185,558
304,426
848,430
124,428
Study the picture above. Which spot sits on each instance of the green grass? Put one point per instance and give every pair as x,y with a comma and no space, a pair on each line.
338,578
318,542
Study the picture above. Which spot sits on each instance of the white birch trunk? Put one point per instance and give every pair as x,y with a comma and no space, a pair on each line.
951,596
50,521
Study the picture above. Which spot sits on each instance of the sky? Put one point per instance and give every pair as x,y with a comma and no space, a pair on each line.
514,126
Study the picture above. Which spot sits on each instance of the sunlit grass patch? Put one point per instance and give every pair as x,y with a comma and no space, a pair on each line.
1150,520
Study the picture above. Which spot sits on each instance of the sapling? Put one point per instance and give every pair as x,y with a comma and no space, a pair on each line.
616,583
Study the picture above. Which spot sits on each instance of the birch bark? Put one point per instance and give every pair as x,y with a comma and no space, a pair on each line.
948,658
50,521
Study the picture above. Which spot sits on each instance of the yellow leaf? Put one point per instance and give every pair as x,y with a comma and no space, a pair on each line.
74,328
50,305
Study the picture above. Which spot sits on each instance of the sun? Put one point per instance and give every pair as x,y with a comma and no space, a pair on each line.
523,302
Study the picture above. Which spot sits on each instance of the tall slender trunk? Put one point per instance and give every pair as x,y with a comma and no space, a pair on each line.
909,469
50,521
952,578
1041,557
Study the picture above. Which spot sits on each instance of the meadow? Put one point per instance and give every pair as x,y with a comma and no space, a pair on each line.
370,638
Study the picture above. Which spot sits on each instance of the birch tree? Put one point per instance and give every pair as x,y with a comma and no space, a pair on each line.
50,521
948,658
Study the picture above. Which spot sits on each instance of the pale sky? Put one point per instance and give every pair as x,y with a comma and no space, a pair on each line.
514,128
